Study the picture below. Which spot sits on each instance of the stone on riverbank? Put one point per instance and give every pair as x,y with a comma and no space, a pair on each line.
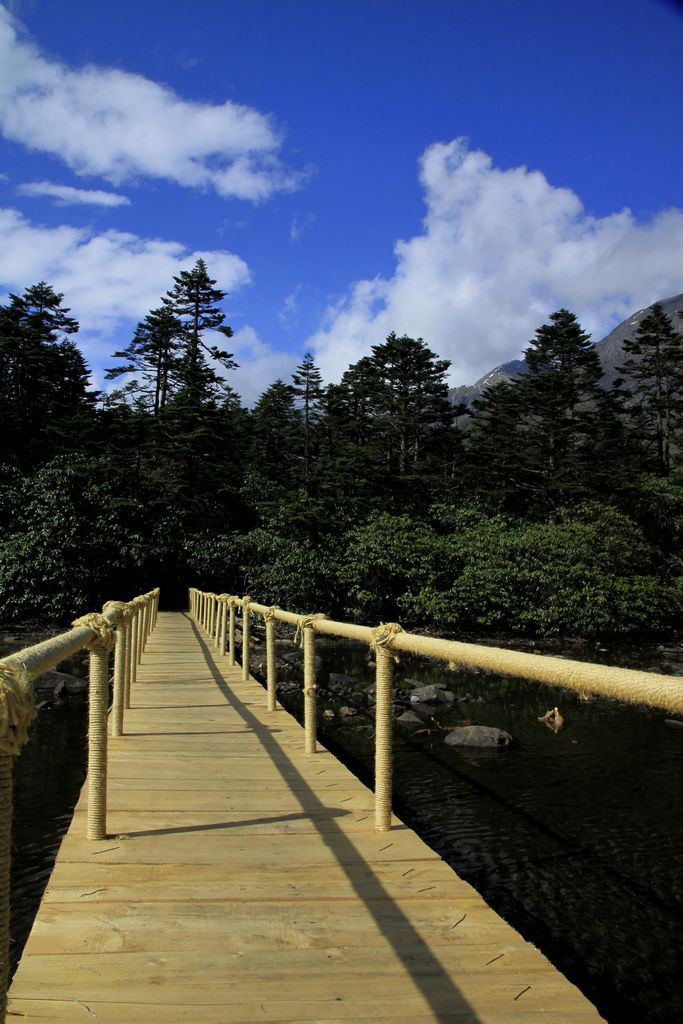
56,684
478,736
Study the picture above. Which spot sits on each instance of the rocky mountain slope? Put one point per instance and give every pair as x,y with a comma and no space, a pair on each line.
610,350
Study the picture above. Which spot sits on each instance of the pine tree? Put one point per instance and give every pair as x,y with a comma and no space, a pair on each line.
152,357
411,407
654,386
535,438
561,394
194,301
44,381
308,389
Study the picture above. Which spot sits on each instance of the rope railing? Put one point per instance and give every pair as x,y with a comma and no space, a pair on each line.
388,641
122,627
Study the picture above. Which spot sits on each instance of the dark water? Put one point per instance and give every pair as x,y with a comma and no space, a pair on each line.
48,776
575,837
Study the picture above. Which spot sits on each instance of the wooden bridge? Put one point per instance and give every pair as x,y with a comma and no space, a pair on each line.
242,879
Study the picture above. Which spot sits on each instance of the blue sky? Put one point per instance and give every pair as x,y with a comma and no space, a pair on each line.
452,169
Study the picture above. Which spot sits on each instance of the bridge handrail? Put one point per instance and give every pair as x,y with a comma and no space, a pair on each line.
388,640
122,627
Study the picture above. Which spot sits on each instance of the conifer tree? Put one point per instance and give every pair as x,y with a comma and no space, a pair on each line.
194,301
44,381
308,389
153,357
411,412
653,386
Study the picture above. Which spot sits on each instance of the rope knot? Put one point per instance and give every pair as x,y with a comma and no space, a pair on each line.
269,614
124,610
304,621
105,635
382,637
17,706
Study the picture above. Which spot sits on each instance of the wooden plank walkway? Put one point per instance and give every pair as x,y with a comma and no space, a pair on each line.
244,882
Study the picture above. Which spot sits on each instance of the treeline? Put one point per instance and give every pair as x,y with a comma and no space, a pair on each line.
554,506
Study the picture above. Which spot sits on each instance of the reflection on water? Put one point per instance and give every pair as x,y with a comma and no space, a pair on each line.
574,837
48,776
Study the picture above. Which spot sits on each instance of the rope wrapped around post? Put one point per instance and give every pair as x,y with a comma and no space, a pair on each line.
120,662
305,637
245,638
382,638
222,623
17,711
232,604
271,668
100,648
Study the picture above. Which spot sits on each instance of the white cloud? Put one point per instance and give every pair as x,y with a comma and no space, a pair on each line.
259,365
299,225
66,195
287,315
110,280
120,126
499,251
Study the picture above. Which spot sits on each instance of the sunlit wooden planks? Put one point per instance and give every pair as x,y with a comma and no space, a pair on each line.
244,881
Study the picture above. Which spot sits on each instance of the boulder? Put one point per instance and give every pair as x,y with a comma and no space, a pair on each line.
478,736
345,712
431,694
56,684
340,681
409,719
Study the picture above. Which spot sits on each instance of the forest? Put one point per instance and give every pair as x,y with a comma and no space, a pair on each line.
552,507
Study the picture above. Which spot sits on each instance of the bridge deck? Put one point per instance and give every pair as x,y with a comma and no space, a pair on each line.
243,881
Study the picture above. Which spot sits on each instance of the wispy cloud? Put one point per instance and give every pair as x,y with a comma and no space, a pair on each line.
299,225
66,195
122,126
499,251
290,307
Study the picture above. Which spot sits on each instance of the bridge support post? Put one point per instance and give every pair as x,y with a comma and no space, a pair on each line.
97,740
271,669
310,689
231,635
383,739
128,657
6,770
245,639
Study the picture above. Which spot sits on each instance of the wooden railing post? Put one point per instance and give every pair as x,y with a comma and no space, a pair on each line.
119,664
383,739
231,634
246,639
310,689
224,625
128,655
271,669
6,771
97,737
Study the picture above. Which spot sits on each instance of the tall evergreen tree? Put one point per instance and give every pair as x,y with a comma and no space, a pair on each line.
653,386
194,301
44,381
153,359
561,394
307,386
534,439
412,411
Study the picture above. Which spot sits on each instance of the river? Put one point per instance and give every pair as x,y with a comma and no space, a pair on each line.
574,837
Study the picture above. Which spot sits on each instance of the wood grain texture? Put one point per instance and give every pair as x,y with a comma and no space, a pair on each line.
243,881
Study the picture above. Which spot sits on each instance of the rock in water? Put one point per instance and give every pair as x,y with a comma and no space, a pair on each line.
478,736
409,718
